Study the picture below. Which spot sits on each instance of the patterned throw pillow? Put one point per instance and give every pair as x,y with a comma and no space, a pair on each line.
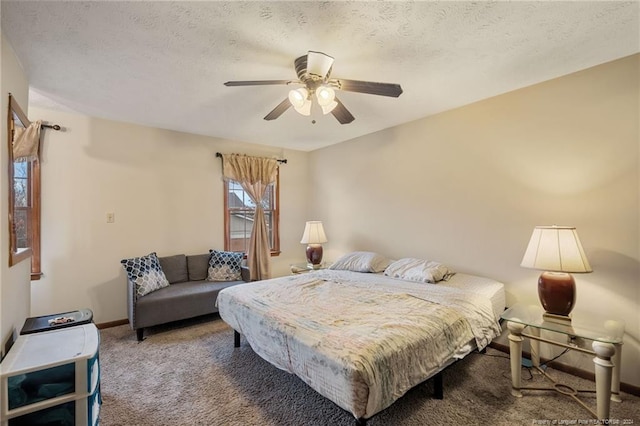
146,274
225,266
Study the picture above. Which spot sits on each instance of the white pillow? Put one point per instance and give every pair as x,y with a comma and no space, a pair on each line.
361,261
418,270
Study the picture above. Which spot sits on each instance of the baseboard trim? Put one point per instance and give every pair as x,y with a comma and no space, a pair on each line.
112,324
624,387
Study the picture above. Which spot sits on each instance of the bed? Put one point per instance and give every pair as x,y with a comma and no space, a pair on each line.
363,340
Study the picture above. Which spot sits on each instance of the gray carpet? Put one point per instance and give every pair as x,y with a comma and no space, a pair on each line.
189,373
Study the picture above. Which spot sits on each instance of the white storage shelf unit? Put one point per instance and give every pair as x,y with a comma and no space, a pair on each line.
52,377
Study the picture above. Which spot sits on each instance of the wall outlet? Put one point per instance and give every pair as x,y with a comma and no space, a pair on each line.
111,217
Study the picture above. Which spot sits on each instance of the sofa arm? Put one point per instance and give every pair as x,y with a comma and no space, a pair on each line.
246,273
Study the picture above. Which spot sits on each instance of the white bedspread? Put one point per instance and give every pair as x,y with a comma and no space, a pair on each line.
361,340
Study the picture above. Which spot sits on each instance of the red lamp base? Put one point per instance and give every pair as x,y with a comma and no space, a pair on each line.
557,293
314,255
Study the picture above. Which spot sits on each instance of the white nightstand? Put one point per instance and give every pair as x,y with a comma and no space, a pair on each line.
527,321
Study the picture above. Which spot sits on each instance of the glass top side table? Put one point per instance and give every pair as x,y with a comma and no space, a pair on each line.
526,321
301,268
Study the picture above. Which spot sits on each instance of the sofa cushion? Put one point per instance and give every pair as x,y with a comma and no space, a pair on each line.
198,265
175,268
176,302
225,266
145,272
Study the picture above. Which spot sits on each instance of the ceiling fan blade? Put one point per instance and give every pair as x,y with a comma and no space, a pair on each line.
370,87
279,110
319,64
300,65
258,82
341,113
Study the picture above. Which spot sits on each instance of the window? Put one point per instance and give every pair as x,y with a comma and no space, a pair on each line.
24,200
239,214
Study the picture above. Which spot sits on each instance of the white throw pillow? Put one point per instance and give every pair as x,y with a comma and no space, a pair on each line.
418,270
361,261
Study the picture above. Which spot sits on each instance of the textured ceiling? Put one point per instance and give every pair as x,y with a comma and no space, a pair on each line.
163,64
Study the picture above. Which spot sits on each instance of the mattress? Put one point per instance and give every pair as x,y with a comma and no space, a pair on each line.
483,286
492,289
361,340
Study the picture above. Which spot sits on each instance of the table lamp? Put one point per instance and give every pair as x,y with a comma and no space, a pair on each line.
314,236
557,251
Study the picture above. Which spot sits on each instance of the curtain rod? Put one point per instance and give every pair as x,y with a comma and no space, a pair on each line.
51,126
279,161
13,106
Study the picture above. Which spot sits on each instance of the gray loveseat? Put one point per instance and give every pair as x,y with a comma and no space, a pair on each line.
188,295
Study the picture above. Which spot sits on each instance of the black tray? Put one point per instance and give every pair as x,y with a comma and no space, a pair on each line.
38,324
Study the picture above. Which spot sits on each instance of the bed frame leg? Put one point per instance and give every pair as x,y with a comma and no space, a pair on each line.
438,387
361,421
236,339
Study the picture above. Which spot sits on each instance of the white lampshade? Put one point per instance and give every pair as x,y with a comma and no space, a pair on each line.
313,233
305,109
319,64
555,249
326,109
298,97
325,95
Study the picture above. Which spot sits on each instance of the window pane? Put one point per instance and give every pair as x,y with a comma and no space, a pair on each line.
20,169
268,196
239,198
268,217
241,224
239,217
21,192
21,222
21,203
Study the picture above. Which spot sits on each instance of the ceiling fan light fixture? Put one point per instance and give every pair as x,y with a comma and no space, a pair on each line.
326,109
325,95
319,64
314,75
305,109
299,97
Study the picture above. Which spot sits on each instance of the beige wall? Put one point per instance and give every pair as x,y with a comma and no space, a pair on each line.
166,191
466,187
14,281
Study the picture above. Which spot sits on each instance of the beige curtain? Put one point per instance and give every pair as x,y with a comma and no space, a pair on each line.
26,142
254,174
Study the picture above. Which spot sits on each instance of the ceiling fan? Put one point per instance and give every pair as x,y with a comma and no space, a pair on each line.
313,71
